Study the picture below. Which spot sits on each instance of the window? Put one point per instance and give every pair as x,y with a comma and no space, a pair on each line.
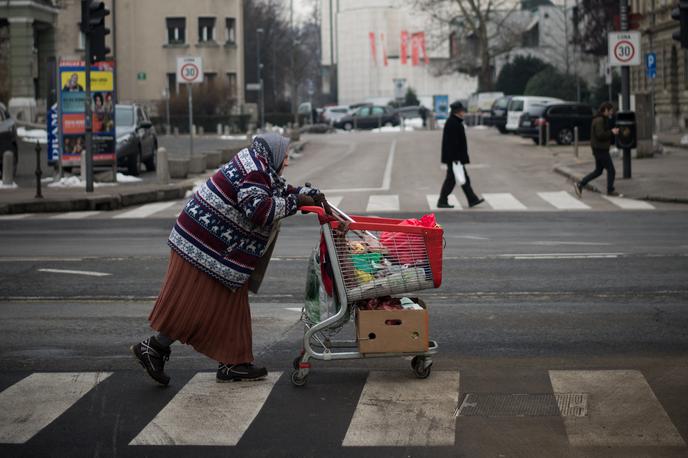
665,69
172,83
82,41
206,29
378,111
230,30
176,30
209,78
233,89
363,111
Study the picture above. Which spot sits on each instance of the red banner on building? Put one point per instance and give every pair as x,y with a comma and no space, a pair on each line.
415,49
384,48
373,51
404,47
421,36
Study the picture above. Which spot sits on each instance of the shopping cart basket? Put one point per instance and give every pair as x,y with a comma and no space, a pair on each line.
369,257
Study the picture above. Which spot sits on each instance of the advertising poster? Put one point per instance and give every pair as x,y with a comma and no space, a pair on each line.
441,106
71,119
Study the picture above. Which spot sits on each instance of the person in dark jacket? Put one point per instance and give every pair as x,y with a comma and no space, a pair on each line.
455,154
600,140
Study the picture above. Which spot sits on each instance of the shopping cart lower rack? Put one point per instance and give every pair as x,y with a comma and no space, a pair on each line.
361,259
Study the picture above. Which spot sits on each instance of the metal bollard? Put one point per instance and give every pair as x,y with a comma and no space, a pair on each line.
379,122
8,168
39,172
547,133
541,134
575,141
355,122
162,168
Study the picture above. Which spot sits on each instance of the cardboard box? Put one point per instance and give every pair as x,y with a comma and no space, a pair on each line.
392,331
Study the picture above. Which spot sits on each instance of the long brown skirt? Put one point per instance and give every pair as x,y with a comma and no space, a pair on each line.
198,310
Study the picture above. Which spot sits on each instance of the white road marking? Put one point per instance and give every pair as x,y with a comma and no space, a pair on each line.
629,204
562,255
503,201
294,309
554,243
75,272
386,177
562,200
145,211
398,410
205,412
432,202
386,203
33,403
622,410
75,215
334,200
17,216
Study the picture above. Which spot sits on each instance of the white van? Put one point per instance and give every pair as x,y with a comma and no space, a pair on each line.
520,104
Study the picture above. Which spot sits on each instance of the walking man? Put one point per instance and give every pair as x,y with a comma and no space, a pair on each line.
455,154
600,141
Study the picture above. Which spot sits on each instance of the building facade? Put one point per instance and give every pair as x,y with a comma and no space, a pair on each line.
669,88
146,37
362,44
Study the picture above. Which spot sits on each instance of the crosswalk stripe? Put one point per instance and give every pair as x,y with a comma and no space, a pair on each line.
335,200
383,203
17,216
75,215
503,201
396,410
622,410
205,412
145,211
562,200
629,204
432,202
33,403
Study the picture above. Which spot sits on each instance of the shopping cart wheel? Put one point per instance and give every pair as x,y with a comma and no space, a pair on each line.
419,367
297,380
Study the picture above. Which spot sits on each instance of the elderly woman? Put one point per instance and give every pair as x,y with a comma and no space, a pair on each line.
218,240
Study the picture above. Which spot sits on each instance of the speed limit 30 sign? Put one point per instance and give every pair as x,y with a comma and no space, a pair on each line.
189,70
624,49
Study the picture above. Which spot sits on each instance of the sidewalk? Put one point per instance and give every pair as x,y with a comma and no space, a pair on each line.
662,178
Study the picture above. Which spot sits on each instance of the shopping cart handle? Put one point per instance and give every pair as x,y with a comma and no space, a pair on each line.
312,209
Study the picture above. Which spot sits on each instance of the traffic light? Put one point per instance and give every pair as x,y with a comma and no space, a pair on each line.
93,13
680,13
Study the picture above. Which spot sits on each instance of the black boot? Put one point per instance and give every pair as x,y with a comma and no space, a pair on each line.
239,372
152,357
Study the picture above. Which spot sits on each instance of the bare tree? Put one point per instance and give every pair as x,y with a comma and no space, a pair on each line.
485,28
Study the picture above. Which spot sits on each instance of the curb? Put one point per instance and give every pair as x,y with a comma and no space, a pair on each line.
105,202
570,174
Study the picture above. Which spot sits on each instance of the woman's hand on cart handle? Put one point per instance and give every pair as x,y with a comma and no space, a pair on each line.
305,201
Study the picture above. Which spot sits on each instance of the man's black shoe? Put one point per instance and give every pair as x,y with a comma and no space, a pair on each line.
444,205
477,202
152,357
239,372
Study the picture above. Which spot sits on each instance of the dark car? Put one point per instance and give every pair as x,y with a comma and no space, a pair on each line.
562,119
368,117
498,112
8,137
137,141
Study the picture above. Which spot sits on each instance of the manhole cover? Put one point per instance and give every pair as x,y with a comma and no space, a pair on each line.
523,405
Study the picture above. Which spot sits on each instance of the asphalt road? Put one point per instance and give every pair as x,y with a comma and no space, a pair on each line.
533,304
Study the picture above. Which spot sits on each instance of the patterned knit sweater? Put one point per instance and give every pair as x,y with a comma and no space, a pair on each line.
224,228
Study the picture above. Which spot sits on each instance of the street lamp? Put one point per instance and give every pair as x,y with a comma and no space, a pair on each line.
261,106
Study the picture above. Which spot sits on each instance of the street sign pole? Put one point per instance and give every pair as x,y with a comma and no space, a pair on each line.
625,87
88,118
191,133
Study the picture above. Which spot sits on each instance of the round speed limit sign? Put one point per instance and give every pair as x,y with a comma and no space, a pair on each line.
624,48
189,70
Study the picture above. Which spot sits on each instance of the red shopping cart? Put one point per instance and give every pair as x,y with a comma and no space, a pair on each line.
362,259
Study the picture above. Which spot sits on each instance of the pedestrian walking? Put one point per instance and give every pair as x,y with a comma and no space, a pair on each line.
423,112
601,134
455,156
221,244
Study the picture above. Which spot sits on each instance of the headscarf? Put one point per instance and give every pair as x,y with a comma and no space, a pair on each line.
277,146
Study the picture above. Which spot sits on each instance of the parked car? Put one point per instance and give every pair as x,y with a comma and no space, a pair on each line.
332,114
8,137
498,114
562,119
522,104
137,141
368,117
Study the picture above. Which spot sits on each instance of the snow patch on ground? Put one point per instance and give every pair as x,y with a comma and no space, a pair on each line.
122,178
232,137
31,135
75,182
8,186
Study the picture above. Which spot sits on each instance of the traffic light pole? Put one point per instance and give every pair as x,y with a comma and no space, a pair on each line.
88,119
625,87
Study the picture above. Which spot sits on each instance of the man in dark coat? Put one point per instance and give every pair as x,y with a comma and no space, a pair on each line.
455,154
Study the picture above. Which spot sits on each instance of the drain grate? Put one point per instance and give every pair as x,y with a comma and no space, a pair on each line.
523,405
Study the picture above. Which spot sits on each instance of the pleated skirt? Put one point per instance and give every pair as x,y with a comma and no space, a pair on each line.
198,310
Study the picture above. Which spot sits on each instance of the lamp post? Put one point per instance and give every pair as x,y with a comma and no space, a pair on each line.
261,106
